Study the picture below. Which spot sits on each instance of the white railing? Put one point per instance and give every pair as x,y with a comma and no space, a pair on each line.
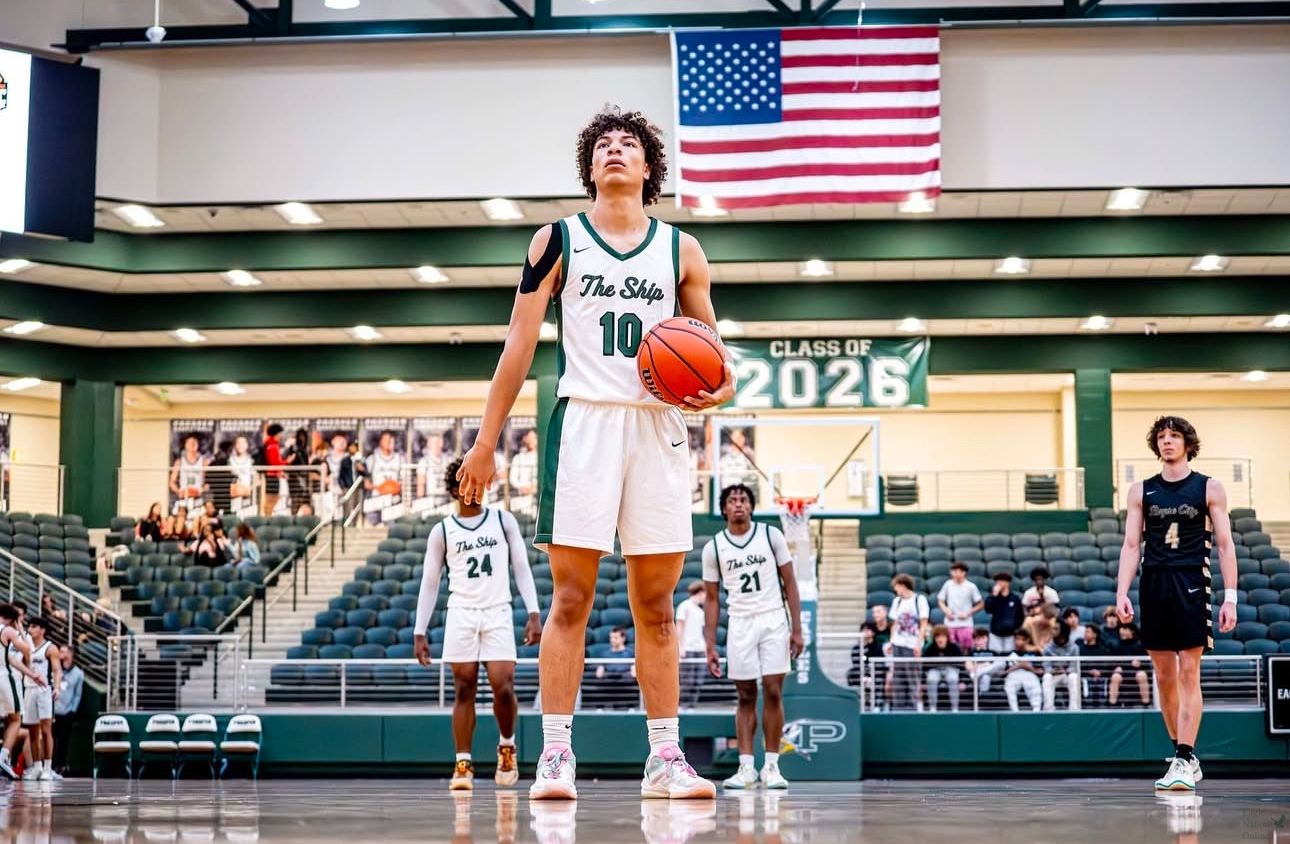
151,672
919,490
251,491
1236,473
31,488
89,625
891,684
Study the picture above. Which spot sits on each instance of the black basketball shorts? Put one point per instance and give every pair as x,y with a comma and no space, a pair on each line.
1174,612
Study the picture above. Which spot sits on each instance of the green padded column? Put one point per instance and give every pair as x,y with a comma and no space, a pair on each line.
89,447
1093,435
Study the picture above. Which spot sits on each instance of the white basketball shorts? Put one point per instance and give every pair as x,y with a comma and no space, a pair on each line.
38,705
479,635
616,467
10,694
757,645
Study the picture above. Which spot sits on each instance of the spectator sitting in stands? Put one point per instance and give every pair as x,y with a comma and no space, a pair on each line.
208,550
1070,616
1094,653
985,662
866,649
1110,627
1041,624
1006,613
209,511
150,526
1023,673
959,599
1061,672
941,647
618,649
1131,648
244,550
179,529
1041,592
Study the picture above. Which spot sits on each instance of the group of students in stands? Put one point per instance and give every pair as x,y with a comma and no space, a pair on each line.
204,537
40,691
1001,660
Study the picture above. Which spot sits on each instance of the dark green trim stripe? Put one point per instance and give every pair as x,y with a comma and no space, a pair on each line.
644,244
676,268
551,466
558,300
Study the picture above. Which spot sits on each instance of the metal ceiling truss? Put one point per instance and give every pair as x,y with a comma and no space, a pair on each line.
276,24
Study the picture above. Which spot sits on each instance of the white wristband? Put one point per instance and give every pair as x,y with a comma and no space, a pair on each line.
1229,596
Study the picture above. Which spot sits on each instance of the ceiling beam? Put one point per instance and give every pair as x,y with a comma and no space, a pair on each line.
837,240
793,300
476,362
84,40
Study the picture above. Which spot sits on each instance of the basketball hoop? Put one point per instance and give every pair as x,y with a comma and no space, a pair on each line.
795,517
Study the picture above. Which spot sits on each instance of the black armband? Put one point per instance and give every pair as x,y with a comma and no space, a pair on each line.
531,277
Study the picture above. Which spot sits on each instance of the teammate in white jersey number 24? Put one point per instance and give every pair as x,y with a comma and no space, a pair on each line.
616,459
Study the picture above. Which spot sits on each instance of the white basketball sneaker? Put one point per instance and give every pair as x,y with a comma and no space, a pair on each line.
556,771
771,777
1177,778
667,774
744,778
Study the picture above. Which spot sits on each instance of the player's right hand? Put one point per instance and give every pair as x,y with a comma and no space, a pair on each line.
421,650
714,663
478,468
1124,608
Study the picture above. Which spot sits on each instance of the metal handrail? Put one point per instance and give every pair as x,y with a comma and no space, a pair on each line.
345,519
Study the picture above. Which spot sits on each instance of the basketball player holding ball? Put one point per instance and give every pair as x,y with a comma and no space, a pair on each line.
616,457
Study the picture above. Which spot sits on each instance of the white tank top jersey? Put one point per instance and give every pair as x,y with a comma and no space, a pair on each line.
11,651
240,465
190,474
607,301
749,571
384,468
40,663
478,562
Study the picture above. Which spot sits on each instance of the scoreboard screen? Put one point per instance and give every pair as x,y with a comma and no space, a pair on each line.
48,146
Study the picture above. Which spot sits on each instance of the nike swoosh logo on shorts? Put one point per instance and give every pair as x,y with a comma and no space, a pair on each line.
1193,591
677,445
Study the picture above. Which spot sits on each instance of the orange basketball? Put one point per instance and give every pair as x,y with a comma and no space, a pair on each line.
680,357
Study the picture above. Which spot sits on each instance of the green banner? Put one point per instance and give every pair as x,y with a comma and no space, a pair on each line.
830,372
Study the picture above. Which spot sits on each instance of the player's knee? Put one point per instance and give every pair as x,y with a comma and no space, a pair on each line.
466,688
772,694
572,601
746,695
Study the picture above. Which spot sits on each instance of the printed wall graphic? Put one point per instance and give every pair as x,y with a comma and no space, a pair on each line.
385,449
433,442
192,447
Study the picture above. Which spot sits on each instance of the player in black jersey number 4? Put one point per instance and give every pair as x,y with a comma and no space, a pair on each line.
1173,520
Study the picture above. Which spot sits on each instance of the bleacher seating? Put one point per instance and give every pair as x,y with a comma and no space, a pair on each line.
172,595
58,546
1082,567
373,618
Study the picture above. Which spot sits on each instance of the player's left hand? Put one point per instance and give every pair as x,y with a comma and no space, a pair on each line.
796,644
723,394
533,630
1226,618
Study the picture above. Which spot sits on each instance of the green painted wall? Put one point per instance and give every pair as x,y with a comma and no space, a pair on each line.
89,447
1095,743
1093,435
1002,521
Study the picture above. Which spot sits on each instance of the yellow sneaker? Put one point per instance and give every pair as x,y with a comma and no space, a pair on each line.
508,773
463,776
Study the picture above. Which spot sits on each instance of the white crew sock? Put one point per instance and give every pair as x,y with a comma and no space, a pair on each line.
662,732
557,731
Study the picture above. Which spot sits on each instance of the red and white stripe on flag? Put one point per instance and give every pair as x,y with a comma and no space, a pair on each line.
811,115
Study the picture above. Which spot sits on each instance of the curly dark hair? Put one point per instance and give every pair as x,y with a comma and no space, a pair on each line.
651,137
1174,423
731,490
450,482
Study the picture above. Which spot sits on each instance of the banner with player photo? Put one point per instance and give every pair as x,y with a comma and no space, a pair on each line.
5,453
522,463
334,439
700,461
736,456
192,447
233,478
384,444
433,447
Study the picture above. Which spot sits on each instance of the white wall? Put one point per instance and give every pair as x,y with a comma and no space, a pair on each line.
33,443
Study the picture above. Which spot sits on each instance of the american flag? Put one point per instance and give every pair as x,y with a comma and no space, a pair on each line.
797,116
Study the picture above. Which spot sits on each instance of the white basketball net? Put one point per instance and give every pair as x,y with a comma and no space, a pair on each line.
795,517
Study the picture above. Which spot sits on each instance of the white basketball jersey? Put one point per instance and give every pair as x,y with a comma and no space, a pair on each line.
432,468
479,562
384,468
11,651
241,464
333,461
607,302
748,572
40,664
190,474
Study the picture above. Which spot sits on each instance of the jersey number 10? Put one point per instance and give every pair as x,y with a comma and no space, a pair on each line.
626,339
475,566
